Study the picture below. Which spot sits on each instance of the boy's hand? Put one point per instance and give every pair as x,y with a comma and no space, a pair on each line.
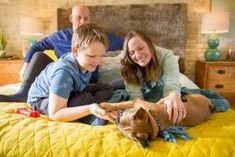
96,110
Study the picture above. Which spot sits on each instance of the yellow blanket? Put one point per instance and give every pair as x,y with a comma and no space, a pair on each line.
22,136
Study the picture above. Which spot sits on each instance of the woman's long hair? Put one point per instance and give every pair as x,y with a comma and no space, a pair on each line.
130,70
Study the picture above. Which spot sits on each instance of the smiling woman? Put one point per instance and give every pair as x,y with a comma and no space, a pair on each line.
139,51
147,70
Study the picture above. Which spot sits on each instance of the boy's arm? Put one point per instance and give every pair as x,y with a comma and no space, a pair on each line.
61,86
58,110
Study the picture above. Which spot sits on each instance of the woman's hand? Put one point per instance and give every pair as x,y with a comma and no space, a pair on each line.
175,107
96,110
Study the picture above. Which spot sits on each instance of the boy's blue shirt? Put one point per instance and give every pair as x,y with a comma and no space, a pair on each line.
61,78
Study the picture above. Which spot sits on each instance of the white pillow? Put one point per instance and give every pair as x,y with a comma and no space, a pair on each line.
110,68
186,82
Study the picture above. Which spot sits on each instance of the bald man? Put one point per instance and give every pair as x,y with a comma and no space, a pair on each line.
80,15
60,42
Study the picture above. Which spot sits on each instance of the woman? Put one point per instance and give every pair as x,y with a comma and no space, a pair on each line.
149,71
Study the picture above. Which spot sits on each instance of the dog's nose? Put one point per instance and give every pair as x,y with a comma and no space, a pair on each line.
145,144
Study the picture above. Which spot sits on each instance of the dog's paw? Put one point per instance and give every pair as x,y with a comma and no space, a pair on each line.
107,106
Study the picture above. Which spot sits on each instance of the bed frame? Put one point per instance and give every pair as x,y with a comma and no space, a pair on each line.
165,24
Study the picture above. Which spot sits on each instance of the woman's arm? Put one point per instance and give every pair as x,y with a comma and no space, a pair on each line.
171,90
170,73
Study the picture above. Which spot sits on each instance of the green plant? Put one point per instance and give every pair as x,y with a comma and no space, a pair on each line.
3,42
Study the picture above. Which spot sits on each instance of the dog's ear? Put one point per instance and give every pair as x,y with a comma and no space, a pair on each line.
139,114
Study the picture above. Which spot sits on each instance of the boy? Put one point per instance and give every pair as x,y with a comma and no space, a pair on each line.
61,88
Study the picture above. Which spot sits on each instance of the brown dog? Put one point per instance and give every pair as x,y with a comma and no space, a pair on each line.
142,120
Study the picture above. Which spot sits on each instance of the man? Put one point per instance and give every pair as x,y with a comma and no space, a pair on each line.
60,42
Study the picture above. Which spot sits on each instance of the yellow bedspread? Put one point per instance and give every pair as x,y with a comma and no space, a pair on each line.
22,136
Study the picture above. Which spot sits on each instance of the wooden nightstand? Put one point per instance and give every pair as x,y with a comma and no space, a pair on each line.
9,71
218,76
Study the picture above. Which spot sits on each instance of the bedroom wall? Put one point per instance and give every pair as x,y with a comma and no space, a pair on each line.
226,39
12,10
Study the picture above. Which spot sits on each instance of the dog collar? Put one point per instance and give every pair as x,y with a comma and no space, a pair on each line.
157,120
118,116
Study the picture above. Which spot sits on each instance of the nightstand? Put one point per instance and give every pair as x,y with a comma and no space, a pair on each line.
218,76
9,71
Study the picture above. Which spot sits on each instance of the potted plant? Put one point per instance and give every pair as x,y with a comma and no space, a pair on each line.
3,43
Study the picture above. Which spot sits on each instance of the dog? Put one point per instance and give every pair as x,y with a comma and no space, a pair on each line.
141,121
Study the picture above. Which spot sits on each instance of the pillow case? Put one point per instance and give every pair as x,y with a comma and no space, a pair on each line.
110,67
186,82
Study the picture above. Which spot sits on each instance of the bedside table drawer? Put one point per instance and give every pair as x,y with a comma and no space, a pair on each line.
221,86
218,76
218,72
9,71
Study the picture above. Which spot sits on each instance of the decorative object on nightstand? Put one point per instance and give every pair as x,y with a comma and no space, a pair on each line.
3,43
31,27
231,54
218,76
214,23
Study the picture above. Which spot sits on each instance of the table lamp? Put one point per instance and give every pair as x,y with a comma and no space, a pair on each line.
31,27
214,23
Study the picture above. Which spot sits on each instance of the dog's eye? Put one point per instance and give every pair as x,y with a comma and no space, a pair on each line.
123,123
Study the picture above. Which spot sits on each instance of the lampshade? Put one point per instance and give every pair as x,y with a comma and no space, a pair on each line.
212,24
31,26
215,22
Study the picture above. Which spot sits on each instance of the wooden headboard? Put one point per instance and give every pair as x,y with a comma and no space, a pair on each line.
165,24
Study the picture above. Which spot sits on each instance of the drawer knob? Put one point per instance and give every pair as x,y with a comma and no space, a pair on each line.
219,86
221,71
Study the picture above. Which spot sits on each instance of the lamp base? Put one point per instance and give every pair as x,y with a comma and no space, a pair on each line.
212,55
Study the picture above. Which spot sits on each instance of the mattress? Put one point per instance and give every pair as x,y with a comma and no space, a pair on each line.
36,137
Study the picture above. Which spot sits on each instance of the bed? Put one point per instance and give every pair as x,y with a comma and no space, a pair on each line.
36,137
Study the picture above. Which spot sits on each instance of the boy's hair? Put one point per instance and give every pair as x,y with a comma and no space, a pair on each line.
87,34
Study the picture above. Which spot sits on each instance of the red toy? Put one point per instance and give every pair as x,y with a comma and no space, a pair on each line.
29,113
